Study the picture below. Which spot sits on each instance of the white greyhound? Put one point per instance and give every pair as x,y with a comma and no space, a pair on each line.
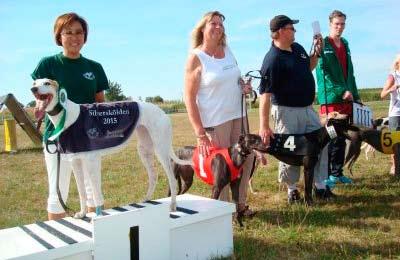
153,130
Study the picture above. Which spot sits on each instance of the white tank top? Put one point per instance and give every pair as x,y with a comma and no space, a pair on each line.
219,95
394,107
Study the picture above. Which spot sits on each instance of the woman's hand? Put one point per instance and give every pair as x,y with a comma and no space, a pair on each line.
204,145
246,86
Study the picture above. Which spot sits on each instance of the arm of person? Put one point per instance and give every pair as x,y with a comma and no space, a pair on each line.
325,82
264,110
99,97
313,61
316,53
388,87
192,84
353,89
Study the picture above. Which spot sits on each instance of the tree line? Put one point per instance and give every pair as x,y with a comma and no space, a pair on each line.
115,93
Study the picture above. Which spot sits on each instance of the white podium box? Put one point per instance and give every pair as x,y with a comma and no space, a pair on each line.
206,233
201,228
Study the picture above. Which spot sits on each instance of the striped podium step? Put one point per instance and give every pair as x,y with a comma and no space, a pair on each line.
124,232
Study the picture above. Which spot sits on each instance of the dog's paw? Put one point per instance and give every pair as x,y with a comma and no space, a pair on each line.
172,207
80,215
238,216
308,202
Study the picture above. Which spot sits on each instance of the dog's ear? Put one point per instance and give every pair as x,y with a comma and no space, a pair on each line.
241,139
54,83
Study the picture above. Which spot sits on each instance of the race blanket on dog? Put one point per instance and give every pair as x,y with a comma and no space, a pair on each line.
202,166
100,126
388,139
292,144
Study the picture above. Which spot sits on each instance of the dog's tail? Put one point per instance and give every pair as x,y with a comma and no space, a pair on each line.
175,158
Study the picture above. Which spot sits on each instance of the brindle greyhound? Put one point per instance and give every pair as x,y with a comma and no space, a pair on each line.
221,172
384,141
305,153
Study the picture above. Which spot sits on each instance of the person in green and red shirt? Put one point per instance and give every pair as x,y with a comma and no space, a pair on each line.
336,89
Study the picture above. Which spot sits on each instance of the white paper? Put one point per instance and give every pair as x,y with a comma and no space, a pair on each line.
316,28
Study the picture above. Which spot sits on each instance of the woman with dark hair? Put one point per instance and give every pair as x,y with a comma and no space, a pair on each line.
85,82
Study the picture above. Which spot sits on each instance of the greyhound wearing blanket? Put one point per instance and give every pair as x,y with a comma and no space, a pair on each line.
384,141
152,127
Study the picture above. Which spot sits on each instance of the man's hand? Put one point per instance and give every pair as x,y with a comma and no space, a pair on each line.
347,96
318,44
266,134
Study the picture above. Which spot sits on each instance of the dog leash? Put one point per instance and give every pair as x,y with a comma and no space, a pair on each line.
66,209
244,107
47,143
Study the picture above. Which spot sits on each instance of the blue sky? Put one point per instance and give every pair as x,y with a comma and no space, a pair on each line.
143,45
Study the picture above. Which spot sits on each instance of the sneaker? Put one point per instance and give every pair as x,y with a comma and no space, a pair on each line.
324,194
345,180
331,182
294,196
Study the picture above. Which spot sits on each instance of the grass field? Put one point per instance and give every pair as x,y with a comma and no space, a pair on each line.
363,222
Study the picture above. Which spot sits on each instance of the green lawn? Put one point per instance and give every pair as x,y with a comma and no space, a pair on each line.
363,222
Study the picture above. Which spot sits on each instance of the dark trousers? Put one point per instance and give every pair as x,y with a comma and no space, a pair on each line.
336,151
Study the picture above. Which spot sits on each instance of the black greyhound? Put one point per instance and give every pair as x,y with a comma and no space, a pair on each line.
304,149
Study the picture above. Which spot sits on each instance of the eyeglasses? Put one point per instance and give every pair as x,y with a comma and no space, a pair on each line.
69,33
289,28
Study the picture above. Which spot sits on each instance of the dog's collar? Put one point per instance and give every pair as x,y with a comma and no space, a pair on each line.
331,131
57,109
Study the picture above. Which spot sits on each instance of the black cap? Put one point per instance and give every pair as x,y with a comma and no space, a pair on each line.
280,21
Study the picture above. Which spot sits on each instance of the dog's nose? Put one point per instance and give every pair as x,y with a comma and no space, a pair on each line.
34,90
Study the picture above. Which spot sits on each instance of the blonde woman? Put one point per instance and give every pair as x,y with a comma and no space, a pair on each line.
392,87
213,92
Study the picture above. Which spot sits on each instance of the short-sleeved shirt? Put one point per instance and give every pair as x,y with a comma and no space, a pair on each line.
288,77
82,78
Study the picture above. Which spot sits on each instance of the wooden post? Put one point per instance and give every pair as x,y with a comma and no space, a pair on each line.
10,136
22,118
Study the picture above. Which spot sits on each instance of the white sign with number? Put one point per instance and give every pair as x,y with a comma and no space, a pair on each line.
362,116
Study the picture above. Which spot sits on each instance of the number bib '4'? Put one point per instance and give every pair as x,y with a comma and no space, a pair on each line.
292,144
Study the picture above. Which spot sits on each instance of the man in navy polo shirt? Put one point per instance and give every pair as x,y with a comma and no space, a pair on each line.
287,82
